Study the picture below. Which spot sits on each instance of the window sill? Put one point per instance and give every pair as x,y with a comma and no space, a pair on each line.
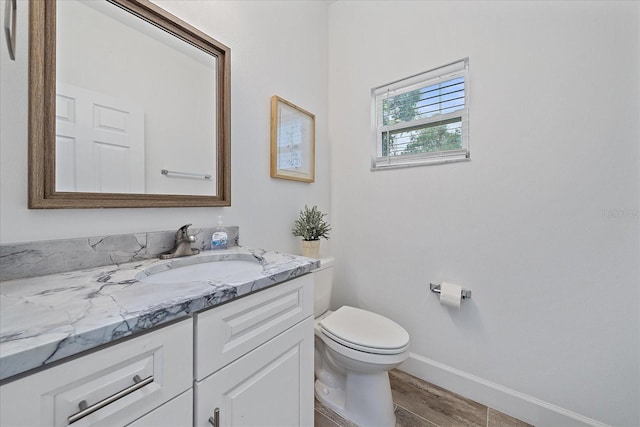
381,164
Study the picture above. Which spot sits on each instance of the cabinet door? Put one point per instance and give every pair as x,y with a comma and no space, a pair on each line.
270,386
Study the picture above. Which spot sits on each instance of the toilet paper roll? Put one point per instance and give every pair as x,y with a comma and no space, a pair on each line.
450,294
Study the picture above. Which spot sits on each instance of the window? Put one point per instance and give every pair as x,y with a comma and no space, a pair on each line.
422,119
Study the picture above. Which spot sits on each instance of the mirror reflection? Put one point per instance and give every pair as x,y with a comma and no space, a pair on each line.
131,101
129,106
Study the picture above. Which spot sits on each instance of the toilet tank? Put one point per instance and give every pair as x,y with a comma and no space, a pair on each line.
323,281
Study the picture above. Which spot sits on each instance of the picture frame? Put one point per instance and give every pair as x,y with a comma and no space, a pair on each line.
293,131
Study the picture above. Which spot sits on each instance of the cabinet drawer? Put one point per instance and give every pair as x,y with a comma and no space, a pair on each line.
225,333
175,413
117,384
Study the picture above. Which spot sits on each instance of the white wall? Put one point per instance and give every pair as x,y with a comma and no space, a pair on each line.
276,48
542,224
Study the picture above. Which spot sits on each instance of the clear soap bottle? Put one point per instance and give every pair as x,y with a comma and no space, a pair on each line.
220,236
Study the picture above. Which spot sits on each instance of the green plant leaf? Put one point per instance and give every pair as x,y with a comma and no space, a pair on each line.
311,225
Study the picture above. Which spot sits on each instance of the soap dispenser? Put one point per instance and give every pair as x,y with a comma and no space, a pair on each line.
220,236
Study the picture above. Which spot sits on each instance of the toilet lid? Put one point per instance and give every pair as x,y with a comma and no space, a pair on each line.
365,331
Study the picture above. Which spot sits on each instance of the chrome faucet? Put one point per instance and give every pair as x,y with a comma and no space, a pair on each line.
182,246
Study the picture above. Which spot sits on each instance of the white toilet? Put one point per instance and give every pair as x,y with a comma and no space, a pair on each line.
354,350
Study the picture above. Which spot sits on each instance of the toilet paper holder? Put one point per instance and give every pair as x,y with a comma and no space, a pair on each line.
435,287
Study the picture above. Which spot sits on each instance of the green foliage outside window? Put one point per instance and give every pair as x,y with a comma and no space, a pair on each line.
432,137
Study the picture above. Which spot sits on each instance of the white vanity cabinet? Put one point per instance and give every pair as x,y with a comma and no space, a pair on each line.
248,362
140,381
254,359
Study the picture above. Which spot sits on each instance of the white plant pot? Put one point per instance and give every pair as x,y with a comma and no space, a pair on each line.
311,248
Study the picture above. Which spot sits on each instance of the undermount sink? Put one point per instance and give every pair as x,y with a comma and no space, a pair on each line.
235,270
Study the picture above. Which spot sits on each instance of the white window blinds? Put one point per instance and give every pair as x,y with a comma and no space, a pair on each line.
422,119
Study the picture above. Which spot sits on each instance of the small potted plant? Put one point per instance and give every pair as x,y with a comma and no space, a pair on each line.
311,226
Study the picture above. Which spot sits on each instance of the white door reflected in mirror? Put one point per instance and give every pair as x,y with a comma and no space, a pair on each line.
99,142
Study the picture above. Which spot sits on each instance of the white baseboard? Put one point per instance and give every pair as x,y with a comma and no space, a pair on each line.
518,405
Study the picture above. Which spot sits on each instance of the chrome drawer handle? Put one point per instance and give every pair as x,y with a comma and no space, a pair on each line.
215,420
10,27
85,410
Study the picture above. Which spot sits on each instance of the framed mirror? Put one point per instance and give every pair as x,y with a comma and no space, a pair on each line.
128,107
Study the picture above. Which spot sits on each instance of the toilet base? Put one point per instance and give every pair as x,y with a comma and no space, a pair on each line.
366,401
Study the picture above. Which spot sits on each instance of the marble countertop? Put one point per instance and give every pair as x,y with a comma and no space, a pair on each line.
47,318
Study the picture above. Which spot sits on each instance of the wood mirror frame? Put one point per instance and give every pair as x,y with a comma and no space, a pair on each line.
42,110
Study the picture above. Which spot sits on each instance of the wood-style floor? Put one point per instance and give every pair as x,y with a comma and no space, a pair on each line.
421,404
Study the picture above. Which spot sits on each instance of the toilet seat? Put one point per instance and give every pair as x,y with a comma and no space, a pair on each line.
365,331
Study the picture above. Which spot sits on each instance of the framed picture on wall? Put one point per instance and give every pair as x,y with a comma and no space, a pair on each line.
293,133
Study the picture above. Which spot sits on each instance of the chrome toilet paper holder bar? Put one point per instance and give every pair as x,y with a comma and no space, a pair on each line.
435,287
